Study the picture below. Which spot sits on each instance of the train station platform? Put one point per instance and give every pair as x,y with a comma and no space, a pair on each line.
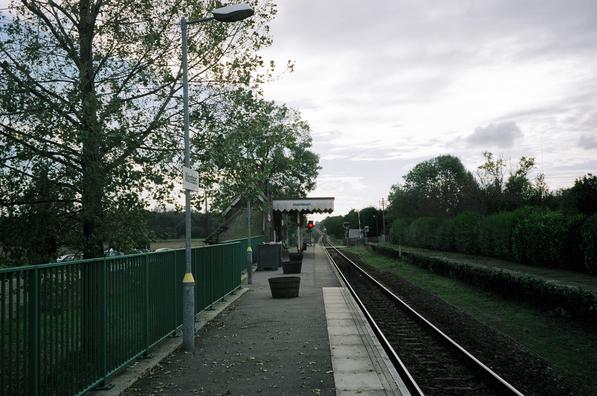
316,344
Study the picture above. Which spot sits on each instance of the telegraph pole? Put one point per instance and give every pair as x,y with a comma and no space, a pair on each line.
383,219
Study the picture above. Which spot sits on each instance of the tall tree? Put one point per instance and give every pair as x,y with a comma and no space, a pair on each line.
371,217
334,226
519,189
581,197
256,146
440,187
92,88
491,175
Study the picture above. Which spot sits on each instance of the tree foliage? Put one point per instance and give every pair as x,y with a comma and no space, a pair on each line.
515,218
171,224
333,226
250,145
370,217
90,102
499,194
437,187
582,197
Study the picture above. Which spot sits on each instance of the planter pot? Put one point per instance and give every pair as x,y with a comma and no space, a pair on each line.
295,256
285,286
292,267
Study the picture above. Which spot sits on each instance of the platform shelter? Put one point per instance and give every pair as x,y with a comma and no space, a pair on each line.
285,209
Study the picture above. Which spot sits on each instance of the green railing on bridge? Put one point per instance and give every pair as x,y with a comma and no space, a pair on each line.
66,327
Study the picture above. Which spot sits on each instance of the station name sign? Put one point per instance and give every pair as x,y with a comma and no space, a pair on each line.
190,179
304,205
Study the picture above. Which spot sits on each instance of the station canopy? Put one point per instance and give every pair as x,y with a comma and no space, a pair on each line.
304,205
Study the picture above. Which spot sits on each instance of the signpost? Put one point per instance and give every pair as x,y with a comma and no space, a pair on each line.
190,179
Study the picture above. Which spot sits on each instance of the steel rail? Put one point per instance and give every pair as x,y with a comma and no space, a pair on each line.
405,375
507,387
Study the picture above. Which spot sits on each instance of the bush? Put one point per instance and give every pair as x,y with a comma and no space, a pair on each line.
575,303
528,235
466,232
495,232
445,235
589,243
540,239
423,232
397,231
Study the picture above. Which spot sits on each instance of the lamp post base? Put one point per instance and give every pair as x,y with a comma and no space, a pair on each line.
188,314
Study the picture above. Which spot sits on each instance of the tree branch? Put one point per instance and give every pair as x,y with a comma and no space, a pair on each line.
42,92
44,153
62,40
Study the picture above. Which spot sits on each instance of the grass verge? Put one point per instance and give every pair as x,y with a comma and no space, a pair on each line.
174,243
570,349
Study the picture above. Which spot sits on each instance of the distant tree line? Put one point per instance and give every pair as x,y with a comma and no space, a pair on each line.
496,212
131,230
370,217
171,225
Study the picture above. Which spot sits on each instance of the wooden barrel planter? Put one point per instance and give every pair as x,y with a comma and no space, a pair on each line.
285,286
295,256
292,267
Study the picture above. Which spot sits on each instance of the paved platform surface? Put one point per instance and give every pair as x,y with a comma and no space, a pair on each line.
361,367
265,346
258,345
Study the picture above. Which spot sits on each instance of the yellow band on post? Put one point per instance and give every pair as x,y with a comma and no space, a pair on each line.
188,278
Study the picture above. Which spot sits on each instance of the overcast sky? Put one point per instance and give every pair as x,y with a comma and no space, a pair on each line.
388,84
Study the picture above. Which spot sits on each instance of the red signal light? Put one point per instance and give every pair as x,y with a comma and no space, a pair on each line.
310,224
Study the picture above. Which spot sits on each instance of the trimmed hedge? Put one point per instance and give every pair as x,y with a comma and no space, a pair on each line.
422,232
565,301
495,233
528,235
540,239
397,231
466,232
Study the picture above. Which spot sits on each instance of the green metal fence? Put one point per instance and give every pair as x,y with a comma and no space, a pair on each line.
255,241
66,327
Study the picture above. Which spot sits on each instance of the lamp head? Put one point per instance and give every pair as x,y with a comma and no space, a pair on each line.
232,13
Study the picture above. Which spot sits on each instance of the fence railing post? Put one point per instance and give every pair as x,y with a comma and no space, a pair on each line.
104,318
175,284
34,355
145,305
103,324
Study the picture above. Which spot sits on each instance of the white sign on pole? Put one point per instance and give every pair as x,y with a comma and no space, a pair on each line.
190,179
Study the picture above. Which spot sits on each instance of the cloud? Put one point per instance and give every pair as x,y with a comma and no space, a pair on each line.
499,135
334,183
587,142
388,86
331,157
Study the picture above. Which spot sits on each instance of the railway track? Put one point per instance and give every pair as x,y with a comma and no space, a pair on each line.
429,362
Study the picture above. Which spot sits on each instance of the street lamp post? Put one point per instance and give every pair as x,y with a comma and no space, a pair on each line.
230,13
